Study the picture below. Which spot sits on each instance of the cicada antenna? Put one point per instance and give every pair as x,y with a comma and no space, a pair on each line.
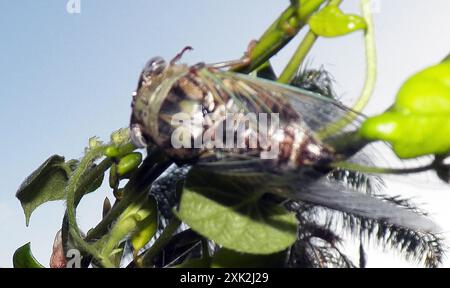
180,54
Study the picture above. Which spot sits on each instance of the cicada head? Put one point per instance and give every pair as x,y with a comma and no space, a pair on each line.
155,82
152,69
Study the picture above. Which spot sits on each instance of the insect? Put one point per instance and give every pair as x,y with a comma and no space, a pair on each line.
297,169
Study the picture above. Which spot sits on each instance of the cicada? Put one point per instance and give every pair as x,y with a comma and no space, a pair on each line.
288,152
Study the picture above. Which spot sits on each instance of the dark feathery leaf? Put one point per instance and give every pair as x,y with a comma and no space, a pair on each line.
422,247
317,247
315,80
419,246
413,245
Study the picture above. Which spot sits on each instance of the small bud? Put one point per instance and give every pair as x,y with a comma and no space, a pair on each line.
94,142
120,136
106,207
111,152
129,163
113,177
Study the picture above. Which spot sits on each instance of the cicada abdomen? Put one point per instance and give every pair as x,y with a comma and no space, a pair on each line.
192,111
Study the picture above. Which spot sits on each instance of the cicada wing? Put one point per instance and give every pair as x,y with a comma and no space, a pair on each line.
321,117
317,111
338,197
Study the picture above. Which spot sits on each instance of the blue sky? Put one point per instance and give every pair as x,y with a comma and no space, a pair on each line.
66,77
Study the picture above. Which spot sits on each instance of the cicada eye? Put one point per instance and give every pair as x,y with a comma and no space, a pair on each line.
154,66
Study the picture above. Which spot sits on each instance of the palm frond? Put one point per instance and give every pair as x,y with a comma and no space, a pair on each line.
315,80
317,246
419,247
416,246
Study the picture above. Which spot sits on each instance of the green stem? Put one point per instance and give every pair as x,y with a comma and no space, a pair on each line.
371,74
126,223
371,58
348,144
285,27
145,260
71,189
294,64
137,185
102,227
300,54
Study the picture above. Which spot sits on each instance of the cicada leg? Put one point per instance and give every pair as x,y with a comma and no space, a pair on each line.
180,54
234,64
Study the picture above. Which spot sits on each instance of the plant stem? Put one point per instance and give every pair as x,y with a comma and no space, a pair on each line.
125,224
138,184
102,227
371,74
294,64
348,143
145,259
371,58
285,27
71,189
300,54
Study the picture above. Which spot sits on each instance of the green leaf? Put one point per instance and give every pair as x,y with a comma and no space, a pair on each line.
48,183
23,258
332,22
45,184
226,258
235,215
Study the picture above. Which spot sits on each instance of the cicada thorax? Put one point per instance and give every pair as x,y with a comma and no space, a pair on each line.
164,104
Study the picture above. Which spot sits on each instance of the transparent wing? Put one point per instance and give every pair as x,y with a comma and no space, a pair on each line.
336,196
260,95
